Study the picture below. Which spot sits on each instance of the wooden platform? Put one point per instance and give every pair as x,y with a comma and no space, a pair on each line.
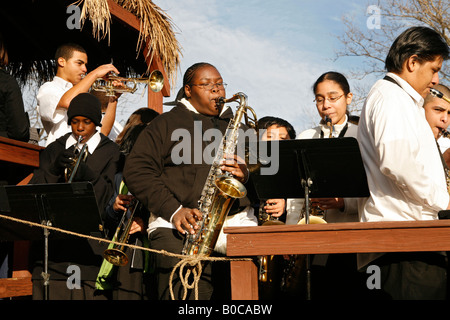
24,155
354,237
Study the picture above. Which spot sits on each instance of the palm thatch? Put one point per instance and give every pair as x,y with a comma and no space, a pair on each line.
156,29
33,29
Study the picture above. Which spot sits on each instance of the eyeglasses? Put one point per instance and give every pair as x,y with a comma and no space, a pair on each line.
210,86
321,100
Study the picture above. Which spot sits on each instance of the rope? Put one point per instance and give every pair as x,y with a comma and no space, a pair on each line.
193,263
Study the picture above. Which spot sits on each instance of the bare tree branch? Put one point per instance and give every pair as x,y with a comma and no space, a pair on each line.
372,45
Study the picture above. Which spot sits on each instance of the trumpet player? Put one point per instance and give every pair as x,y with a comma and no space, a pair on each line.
71,78
98,166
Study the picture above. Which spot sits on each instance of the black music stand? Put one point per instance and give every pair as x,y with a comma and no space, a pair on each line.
67,206
318,168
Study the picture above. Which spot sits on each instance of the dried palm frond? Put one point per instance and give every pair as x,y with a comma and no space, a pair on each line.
156,29
98,13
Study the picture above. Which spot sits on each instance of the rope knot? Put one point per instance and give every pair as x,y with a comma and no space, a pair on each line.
188,265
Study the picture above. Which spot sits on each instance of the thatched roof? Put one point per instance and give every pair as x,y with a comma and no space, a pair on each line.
33,29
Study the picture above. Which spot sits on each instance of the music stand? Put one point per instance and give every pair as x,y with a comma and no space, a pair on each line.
318,168
67,206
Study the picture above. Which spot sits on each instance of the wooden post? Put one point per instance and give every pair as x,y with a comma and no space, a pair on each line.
154,100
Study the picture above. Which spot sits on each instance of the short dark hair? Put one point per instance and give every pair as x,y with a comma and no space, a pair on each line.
190,72
334,76
266,122
189,75
66,50
424,42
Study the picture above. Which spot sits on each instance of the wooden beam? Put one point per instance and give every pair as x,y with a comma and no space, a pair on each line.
357,237
124,15
15,287
19,152
154,100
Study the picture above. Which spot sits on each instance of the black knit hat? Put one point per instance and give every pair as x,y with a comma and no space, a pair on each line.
85,105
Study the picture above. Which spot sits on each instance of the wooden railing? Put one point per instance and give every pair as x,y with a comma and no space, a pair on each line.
24,155
354,237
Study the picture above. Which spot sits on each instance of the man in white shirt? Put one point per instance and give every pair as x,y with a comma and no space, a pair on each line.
404,169
54,97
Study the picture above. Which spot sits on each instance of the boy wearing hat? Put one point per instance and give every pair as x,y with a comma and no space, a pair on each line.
99,168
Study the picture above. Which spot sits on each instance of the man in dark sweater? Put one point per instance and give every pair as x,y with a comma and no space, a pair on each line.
166,170
99,168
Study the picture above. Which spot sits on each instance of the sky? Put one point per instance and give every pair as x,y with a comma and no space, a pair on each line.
272,51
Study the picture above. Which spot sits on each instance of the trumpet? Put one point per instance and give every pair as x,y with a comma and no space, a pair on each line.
155,81
69,173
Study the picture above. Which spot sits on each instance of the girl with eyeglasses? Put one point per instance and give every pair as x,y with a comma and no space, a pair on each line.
336,274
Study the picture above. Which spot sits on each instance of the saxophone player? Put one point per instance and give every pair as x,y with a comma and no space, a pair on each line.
166,170
437,112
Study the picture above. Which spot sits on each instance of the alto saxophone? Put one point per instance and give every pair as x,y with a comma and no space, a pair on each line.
220,189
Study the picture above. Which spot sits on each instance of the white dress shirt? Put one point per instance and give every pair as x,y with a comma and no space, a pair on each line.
404,170
350,211
53,119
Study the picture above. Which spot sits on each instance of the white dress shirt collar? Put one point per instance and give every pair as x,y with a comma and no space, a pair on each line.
92,143
190,107
418,99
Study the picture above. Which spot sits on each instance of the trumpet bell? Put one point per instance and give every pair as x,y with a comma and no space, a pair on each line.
156,81
115,257
129,85
312,220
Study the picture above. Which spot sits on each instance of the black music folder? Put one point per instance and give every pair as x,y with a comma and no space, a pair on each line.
68,206
333,167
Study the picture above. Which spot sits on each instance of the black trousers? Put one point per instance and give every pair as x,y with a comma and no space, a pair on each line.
171,241
411,276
